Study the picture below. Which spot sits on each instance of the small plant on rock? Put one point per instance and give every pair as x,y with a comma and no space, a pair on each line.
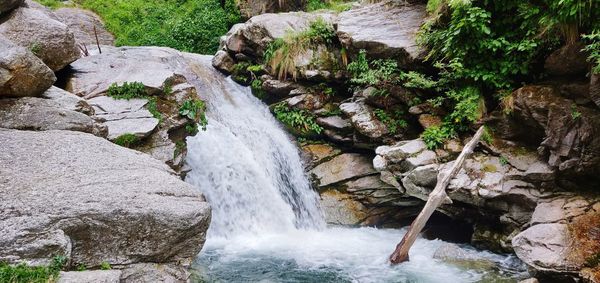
195,110
105,266
127,140
301,120
435,136
127,90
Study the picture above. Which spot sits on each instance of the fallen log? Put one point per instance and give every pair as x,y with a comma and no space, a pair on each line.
436,198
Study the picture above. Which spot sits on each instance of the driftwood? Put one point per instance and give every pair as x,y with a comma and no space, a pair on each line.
436,198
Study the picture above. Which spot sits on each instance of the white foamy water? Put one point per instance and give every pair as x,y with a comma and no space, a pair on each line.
266,224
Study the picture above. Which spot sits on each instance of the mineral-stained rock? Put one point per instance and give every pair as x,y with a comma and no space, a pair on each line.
74,194
56,110
39,30
85,25
21,72
386,30
339,208
343,167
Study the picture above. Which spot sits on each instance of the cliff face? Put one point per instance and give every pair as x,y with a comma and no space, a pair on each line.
363,148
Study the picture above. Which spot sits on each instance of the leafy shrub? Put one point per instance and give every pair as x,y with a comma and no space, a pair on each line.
257,90
127,90
377,71
435,136
192,26
301,120
127,140
31,274
195,110
593,48
393,121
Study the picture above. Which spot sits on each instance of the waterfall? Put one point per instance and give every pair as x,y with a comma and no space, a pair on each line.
247,166
266,224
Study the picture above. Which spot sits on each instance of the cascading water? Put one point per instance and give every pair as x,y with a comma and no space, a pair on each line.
266,225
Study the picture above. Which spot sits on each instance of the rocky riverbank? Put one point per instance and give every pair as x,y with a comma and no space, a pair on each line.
67,189
532,182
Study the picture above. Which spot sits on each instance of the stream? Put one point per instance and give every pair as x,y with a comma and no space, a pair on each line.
266,223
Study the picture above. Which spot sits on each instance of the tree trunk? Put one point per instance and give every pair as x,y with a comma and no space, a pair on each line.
436,198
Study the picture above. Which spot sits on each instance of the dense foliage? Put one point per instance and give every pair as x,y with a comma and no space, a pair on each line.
195,110
483,49
192,26
301,120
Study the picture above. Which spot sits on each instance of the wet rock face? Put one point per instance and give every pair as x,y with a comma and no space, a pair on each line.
38,29
104,203
568,60
21,72
568,134
385,30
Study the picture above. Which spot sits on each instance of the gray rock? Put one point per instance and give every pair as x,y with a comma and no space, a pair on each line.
92,276
21,72
140,127
8,5
223,62
544,247
151,272
85,25
59,112
386,30
251,8
68,101
340,209
363,119
343,167
335,123
38,30
93,202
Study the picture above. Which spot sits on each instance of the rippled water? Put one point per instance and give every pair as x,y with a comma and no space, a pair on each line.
266,224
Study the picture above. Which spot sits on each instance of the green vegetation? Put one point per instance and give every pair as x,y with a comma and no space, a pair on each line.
377,71
435,136
32,274
301,120
281,53
127,140
195,110
575,114
35,48
503,160
257,90
593,48
81,267
52,4
192,26
333,5
127,90
393,121
105,266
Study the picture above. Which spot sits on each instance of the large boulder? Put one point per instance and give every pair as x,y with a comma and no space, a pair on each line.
563,237
21,73
364,120
124,116
85,25
56,110
387,29
93,202
251,8
343,167
252,37
39,30
8,5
